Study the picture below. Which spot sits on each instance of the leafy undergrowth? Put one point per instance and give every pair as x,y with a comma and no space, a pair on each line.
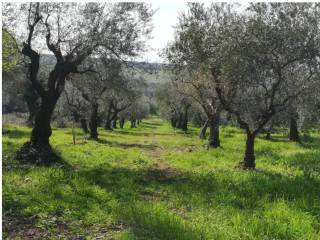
153,182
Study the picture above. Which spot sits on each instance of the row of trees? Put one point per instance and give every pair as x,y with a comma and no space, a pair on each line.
111,93
76,34
261,66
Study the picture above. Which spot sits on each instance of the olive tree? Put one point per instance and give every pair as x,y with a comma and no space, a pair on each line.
95,85
123,94
259,60
173,104
267,60
71,32
189,54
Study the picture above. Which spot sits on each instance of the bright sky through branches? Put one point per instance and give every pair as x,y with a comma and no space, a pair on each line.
164,20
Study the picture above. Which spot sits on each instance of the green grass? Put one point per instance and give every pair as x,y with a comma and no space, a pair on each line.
156,183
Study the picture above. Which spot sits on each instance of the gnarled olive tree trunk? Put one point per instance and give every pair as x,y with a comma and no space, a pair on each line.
133,123
114,123
84,125
31,97
93,124
179,121
184,123
121,122
173,121
202,134
214,138
41,131
294,132
38,149
107,125
249,157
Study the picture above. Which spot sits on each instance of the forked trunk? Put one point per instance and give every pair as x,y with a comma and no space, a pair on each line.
294,132
214,138
202,134
249,158
93,124
38,149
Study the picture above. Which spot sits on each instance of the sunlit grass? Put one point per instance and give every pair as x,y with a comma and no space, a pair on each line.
154,182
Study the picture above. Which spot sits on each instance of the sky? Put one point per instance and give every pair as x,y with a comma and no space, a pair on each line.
163,21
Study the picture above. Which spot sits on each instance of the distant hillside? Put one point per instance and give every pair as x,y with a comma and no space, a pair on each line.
153,73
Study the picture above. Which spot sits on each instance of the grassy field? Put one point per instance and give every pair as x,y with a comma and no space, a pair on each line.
156,183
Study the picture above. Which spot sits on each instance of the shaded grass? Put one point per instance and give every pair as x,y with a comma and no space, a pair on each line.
112,190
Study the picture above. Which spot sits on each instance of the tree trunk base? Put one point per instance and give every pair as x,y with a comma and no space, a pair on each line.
268,136
37,154
248,163
93,137
202,135
213,145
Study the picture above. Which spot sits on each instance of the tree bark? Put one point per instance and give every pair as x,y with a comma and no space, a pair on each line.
294,132
84,126
41,131
214,138
114,119
108,118
31,98
184,126
121,123
203,131
93,124
180,119
38,149
114,123
107,126
133,123
249,158
268,135
173,122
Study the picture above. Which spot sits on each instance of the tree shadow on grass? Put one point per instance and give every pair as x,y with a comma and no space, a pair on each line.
275,139
268,152
149,126
153,124
143,133
16,133
308,162
62,193
145,220
245,193
127,145
310,142
65,188
251,192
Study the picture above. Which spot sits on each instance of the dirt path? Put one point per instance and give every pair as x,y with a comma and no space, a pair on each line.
155,152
